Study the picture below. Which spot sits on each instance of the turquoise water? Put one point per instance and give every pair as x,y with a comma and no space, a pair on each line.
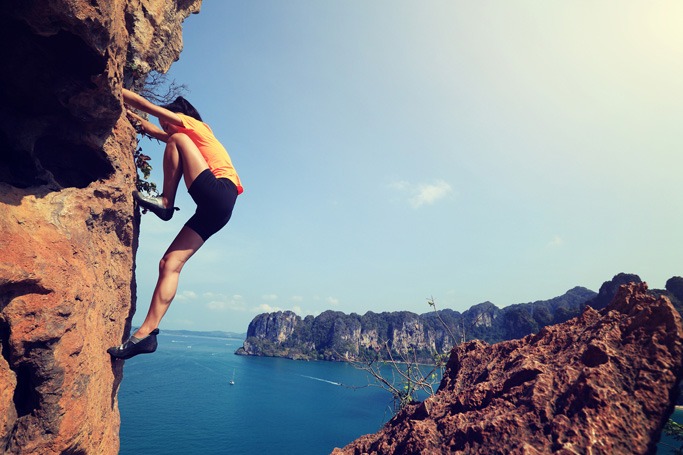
179,401
667,444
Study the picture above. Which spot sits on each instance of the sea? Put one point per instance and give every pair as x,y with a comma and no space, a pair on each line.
180,401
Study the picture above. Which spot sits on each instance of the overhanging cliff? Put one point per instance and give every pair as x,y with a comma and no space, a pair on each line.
68,228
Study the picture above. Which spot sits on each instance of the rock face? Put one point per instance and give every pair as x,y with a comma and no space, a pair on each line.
602,383
334,335
610,288
68,228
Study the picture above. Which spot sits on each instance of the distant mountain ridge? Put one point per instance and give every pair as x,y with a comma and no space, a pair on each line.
206,333
336,336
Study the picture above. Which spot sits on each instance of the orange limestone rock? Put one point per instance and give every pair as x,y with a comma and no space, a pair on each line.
68,229
602,383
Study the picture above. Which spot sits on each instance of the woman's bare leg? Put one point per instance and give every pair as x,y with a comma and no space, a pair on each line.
186,243
181,158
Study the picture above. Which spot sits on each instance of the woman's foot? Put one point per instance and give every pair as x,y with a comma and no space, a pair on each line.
134,346
154,205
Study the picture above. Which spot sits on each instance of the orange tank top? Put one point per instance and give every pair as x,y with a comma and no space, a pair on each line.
214,153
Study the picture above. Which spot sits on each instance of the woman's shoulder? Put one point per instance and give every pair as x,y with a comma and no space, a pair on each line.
192,123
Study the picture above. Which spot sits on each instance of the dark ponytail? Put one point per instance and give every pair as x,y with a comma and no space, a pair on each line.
184,107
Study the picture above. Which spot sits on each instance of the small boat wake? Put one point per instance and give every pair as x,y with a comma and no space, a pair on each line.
320,379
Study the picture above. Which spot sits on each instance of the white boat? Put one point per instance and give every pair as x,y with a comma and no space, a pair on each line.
232,381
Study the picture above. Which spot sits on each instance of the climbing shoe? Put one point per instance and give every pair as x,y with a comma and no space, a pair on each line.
154,205
134,346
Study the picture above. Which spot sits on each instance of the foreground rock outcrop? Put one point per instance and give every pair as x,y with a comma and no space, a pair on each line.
602,383
68,229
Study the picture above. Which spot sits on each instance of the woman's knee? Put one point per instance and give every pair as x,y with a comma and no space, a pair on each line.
168,264
176,141
185,146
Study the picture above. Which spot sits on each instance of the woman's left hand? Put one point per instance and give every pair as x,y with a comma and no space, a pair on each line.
137,121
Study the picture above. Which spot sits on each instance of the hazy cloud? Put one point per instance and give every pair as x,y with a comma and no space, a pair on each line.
556,242
430,193
186,295
422,193
234,303
297,309
265,308
400,185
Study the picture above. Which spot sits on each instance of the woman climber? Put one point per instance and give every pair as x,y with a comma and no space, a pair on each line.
191,152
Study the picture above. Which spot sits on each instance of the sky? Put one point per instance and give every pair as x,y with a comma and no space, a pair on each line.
393,151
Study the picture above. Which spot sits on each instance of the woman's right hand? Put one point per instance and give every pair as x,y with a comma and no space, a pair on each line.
138,102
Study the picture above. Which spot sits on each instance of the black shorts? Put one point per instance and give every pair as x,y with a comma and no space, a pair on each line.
215,199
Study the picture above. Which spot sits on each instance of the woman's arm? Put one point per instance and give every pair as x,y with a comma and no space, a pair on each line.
138,102
148,127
